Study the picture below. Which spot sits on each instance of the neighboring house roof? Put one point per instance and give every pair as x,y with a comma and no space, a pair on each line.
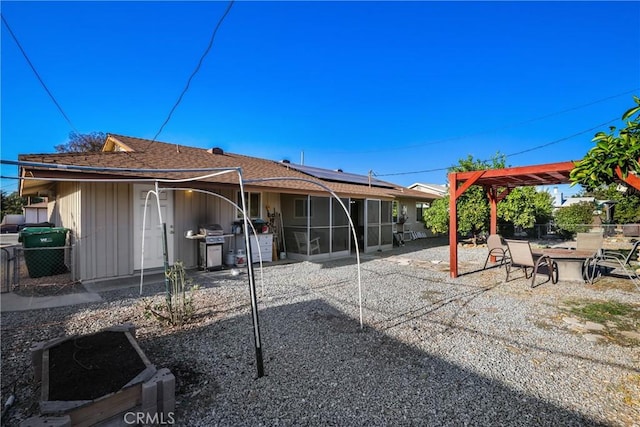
143,158
435,189
575,200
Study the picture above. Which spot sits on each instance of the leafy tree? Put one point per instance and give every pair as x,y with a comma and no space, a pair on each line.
11,204
627,206
574,218
436,217
473,205
82,142
525,207
599,165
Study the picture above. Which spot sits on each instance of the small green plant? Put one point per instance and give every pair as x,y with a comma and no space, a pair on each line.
602,311
178,307
624,316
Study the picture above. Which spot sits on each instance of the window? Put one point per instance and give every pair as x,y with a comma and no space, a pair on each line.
300,208
253,204
420,208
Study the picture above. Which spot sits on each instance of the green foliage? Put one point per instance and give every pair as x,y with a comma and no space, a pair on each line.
524,207
473,212
178,307
473,206
436,217
627,207
598,166
11,204
574,218
498,161
82,143
603,311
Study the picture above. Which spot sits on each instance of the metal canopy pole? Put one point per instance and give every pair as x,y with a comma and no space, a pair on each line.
252,283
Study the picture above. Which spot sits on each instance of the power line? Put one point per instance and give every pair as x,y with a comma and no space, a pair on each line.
507,126
195,71
15,39
537,147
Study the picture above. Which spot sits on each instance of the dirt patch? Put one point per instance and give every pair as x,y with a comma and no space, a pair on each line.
33,288
88,367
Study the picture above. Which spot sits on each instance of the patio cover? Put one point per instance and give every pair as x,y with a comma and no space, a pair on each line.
498,183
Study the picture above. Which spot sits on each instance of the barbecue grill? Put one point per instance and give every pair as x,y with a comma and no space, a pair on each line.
210,247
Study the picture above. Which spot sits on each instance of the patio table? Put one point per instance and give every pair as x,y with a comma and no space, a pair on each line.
571,263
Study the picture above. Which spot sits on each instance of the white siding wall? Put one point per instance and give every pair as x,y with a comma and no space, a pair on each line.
99,217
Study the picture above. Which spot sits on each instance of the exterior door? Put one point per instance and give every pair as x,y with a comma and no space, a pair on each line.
153,249
378,229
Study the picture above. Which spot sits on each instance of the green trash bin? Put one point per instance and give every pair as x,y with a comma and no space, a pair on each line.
44,262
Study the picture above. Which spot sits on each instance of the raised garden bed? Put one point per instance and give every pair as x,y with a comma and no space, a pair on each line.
91,378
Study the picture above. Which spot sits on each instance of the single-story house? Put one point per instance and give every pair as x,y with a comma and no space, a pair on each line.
101,196
36,212
437,191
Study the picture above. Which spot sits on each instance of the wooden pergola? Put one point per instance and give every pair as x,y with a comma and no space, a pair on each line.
498,183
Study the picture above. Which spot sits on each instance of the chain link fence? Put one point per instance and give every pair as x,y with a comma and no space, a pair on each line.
36,271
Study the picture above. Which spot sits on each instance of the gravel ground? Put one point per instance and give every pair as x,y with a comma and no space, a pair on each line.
433,351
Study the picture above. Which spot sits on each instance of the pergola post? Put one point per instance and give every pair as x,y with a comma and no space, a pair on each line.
453,225
454,193
508,178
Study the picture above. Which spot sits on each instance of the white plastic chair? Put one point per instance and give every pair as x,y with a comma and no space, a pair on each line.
304,245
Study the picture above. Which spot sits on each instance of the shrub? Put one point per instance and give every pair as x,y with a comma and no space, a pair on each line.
178,306
575,218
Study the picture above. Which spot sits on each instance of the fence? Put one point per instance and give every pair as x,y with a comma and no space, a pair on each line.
609,230
36,271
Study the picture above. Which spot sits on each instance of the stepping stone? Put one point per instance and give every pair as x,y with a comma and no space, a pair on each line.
593,337
572,321
592,326
631,334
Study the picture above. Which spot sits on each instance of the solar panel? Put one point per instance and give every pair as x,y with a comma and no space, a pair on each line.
337,176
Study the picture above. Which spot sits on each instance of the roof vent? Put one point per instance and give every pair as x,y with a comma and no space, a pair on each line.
285,161
216,150
339,170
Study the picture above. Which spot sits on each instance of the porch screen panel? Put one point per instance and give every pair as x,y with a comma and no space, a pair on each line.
320,221
294,219
386,226
340,230
373,223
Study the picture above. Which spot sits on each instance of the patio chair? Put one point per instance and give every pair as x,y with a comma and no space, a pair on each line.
609,262
591,242
521,257
304,245
497,249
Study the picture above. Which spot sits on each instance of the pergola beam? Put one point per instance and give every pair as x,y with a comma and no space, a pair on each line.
492,180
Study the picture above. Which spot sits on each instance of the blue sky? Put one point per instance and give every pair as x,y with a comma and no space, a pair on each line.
404,89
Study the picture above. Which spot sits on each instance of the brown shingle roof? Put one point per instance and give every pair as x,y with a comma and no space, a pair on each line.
161,160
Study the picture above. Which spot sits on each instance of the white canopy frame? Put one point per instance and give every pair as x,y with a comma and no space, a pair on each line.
210,172
210,193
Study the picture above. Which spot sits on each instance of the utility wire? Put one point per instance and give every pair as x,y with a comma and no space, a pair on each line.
38,75
507,126
537,147
195,71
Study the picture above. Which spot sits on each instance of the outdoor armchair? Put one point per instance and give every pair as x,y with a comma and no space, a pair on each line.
522,257
606,262
497,249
